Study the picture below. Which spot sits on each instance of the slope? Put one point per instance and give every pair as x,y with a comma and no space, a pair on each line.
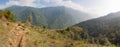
17,34
106,27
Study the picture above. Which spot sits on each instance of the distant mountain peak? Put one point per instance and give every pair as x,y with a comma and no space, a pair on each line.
56,17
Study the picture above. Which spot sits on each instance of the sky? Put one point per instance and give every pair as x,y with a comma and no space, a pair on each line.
95,7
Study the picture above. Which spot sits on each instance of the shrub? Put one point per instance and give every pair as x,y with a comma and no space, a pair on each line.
9,15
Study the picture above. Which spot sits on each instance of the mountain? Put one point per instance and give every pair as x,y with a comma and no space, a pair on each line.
106,27
58,17
22,14
17,34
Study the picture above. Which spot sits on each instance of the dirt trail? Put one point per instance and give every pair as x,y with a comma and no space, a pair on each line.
19,38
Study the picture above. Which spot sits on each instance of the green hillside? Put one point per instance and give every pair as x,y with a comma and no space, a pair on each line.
51,17
106,27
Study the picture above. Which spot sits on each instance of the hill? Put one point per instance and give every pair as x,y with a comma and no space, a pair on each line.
58,17
106,27
16,34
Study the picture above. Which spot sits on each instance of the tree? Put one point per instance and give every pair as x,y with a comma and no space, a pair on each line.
8,15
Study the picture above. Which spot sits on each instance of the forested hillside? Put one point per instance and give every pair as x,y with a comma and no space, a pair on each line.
105,29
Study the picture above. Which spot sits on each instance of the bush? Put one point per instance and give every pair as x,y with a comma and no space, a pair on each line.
9,15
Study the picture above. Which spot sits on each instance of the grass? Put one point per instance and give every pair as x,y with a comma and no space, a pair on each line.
42,37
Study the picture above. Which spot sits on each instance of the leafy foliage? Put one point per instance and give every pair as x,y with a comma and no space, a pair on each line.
76,33
9,15
6,14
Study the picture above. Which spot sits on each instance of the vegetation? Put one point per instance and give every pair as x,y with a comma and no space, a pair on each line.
100,32
104,30
26,35
6,14
75,33
51,17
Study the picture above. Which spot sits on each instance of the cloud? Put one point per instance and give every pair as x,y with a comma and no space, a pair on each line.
73,5
100,7
31,3
38,4
2,6
54,1
105,7
21,3
67,3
